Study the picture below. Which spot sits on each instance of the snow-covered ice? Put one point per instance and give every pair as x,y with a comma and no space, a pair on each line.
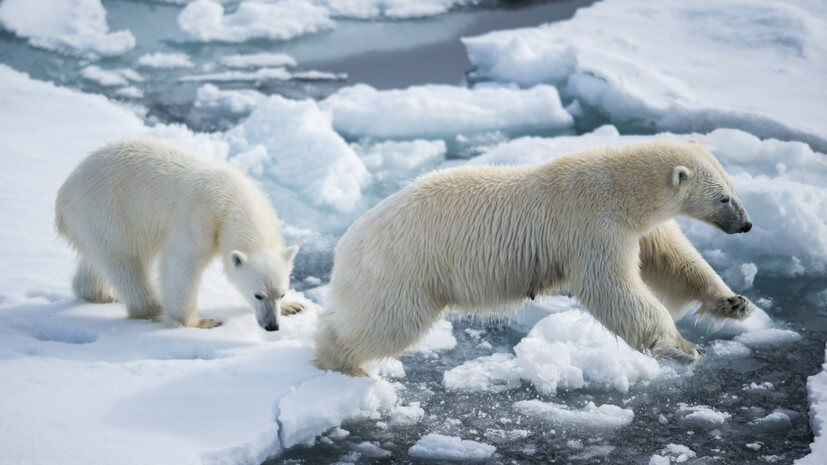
391,9
165,60
440,447
702,416
589,417
206,20
637,79
768,337
258,60
110,77
144,393
817,394
437,111
71,26
211,100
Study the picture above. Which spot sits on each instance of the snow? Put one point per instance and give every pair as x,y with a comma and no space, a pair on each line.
259,75
255,60
165,60
439,111
589,417
212,100
439,447
638,81
571,349
439,338
278,138
672,453
109,77
205,20
817,395
493,373
775,422
768,337
130,92
407,415
702,416
84,384
70,26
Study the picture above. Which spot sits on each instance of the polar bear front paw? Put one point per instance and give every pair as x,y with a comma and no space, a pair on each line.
206,323
683,352
291,308
736,307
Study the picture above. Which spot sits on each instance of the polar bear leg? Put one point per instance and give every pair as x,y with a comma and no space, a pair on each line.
129,276
181,267
88,284
674,269
612,290
380,327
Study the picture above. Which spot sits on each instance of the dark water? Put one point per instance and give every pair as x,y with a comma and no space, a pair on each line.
716,382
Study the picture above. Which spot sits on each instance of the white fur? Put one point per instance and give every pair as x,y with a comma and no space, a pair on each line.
133,200
480,238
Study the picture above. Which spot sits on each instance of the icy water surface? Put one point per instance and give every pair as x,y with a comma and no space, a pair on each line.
721,383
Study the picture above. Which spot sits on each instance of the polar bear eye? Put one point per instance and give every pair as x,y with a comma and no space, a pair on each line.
281,296
725,199
259,296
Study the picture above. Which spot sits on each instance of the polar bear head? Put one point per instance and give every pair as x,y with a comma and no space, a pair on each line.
263,277
705,192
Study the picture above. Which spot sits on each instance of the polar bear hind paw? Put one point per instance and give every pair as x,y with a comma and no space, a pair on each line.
291,308
684,352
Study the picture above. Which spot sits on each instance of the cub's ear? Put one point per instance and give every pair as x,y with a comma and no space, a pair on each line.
289,253
679,175
238,258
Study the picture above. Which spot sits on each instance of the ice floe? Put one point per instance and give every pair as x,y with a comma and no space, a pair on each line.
71,26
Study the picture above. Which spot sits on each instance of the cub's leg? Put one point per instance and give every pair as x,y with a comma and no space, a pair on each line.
610,287
88,284
181,266
672,267
129,276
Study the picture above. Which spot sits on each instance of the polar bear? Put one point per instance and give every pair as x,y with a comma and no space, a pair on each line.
136,199
480,238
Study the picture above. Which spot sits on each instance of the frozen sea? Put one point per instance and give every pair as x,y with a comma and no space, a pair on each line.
332,105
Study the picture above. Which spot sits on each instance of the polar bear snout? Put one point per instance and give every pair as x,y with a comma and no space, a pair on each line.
731,217
267,315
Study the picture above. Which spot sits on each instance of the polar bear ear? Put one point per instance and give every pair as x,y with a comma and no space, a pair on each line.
679,175
289,253
237,258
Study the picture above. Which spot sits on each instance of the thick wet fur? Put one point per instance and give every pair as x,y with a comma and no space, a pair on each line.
483,238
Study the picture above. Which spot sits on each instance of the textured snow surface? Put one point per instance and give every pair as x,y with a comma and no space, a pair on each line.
589,417
165,60
71,26
817,393
206,20
434,111
440,447
144,392
631,74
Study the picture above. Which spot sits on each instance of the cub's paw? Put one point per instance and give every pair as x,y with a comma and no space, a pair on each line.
736,307
683,352
291,308
206,323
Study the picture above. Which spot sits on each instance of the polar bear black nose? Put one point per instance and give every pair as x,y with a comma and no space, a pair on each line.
272,327
747,226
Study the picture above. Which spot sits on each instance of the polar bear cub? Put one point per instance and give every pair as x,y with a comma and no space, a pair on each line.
136,199
481,238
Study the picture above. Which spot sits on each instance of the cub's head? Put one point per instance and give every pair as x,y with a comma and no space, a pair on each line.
705,192
263,277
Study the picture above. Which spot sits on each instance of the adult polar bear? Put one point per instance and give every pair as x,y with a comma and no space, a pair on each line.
481,237
132,200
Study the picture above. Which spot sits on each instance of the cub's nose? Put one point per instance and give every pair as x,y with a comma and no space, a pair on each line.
747,226
272,327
